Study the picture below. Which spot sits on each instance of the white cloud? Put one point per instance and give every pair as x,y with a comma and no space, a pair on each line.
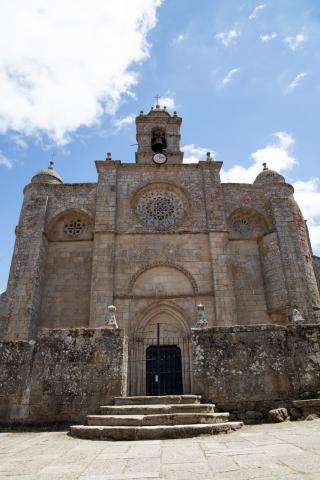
229,77
296,82
122,122
295,41
20,141
179,38
266,38
277,156
193,154
167,102
227,38
256,10
5,161
307,194
70,62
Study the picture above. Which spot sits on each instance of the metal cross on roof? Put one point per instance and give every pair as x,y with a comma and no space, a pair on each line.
157,98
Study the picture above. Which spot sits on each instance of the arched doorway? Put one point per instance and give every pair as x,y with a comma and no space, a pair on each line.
160,353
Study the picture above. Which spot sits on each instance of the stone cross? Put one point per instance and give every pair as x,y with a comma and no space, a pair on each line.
317,315
111,320
157,97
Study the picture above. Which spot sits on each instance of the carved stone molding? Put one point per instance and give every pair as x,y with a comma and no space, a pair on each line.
163,264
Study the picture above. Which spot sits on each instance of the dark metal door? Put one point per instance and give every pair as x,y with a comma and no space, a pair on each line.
163,370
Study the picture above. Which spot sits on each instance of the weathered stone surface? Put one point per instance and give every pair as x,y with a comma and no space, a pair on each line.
277,415
309,408
249,368
156,426
160,419
151,433
312,402
260,452
157,400
312,416
156,409
295,413
253,415
61,376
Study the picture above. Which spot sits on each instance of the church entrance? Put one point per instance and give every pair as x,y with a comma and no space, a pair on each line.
163,370
159,353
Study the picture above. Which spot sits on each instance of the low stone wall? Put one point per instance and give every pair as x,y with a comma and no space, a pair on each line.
61,376
255,368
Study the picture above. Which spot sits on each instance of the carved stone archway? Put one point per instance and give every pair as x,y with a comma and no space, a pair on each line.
174,329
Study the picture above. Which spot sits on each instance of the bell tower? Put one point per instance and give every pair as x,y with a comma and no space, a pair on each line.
158,137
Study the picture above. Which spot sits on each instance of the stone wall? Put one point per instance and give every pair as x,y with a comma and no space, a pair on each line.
3,312
67,285
274,278
245,367
248,283
316,266
61,376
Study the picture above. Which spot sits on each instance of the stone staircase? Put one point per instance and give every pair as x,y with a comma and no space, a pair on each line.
145,418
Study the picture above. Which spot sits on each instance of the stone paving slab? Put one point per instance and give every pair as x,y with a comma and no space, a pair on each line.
289,451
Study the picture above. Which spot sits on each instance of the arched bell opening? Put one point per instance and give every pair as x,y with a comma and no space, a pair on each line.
158,140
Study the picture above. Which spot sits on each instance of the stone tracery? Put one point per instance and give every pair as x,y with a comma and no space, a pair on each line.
160,209
74,228
246,223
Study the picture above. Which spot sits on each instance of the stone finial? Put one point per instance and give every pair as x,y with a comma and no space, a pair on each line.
265,166
297,318
141,112
50,166
317,316
209,158
109,156
175,114
202,321
111,320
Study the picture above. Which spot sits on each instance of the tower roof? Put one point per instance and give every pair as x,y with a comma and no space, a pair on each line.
160,113
267,177
47,175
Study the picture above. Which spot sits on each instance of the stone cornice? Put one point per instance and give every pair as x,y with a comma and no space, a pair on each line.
109,164
58,186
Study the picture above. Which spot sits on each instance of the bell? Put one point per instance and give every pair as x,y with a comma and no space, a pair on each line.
158,141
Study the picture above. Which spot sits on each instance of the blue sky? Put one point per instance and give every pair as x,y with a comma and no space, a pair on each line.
243,74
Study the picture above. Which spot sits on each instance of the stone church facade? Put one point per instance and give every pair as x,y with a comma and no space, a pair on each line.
156,238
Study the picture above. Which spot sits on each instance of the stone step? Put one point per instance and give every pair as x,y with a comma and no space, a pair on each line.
309,403
156,409
152,420
156,400
152,432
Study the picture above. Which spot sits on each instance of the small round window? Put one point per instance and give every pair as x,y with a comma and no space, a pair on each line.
242,226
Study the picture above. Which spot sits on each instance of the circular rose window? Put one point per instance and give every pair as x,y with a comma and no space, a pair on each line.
160,209
242,226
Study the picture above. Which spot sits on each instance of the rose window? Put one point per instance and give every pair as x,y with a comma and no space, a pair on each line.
242,226
74,228
160,209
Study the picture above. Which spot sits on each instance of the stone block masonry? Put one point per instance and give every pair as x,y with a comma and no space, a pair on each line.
61,376
251,367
